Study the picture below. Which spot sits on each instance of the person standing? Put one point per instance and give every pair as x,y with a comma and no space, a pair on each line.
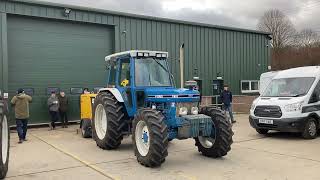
21,108
226,98
63,108
53,105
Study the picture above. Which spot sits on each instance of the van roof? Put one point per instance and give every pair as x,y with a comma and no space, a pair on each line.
307,71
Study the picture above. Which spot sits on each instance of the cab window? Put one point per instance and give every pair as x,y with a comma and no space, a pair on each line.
112,76
124,74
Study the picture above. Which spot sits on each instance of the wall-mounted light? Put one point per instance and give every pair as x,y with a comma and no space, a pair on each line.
66,12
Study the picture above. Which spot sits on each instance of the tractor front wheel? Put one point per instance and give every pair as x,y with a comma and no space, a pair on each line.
4,137
108,121
219,143
150,138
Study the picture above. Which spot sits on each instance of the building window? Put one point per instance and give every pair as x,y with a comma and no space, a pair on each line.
29,91
75,90
250,86
53,89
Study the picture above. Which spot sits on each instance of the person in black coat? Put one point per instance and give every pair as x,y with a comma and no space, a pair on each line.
226,98
63,109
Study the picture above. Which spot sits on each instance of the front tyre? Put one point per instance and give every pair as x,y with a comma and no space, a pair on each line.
220,140
5,137
108,121
150,138
310,129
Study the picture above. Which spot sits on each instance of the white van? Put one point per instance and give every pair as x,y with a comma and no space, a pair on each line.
289,103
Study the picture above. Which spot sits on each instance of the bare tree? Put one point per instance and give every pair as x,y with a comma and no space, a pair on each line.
280,26
308,38
283,34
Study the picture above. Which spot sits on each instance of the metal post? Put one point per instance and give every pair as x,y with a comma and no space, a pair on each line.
181,65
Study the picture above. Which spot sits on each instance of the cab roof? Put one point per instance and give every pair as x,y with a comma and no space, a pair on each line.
307,71
134,53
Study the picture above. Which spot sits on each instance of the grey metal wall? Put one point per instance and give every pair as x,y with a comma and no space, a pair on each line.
237,54
3,52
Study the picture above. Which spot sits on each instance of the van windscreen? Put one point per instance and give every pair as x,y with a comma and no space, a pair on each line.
289,87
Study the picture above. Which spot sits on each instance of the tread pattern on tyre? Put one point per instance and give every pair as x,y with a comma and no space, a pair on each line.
158,131
115,121
305,133
3,166
224,134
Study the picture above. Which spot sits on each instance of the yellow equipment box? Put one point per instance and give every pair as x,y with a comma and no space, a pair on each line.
86,105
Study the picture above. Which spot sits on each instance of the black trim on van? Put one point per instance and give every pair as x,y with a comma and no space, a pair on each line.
311,108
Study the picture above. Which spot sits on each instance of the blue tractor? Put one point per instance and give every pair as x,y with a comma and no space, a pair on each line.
141,99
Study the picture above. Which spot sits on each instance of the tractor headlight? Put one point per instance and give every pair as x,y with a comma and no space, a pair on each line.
187,108
183,111
194,110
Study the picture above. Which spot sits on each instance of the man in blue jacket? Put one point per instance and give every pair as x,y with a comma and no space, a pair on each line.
226,98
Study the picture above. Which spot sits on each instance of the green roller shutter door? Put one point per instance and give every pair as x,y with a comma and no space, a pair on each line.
46,53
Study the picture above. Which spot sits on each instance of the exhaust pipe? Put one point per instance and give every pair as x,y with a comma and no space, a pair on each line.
181,65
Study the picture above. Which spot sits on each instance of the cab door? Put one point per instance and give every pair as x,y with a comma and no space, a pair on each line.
124,83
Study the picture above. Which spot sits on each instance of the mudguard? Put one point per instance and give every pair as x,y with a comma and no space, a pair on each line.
114,91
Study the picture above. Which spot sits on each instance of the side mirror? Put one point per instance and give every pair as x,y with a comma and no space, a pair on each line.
314,97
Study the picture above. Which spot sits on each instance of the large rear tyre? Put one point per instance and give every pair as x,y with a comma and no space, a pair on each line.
150,138
86,128
219,143
108,121
4,145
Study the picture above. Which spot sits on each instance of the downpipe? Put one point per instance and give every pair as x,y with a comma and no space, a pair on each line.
182,66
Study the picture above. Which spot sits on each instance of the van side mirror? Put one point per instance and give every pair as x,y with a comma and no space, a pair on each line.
314,97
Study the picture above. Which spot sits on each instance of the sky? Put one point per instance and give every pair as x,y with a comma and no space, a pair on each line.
235,13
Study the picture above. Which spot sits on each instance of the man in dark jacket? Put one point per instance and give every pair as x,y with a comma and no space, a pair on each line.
226,98
53,105
21,108
63,108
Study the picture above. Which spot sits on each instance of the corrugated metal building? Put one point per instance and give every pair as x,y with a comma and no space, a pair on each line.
42,48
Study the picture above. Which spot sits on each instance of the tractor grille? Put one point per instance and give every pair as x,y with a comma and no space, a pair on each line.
196,125
271,126
268,111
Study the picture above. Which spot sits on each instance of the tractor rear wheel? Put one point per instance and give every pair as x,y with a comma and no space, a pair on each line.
150,138
219,143
4,145
108,121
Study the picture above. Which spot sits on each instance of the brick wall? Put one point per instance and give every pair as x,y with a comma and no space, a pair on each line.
241,103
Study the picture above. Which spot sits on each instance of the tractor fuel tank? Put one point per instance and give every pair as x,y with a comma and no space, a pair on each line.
194,126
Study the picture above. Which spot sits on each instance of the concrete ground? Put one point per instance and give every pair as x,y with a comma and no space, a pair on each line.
64,154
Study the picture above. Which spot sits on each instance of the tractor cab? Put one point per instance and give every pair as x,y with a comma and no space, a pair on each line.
141,99
144,80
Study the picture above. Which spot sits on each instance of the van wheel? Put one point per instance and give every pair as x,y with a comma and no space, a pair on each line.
262,131
310,129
